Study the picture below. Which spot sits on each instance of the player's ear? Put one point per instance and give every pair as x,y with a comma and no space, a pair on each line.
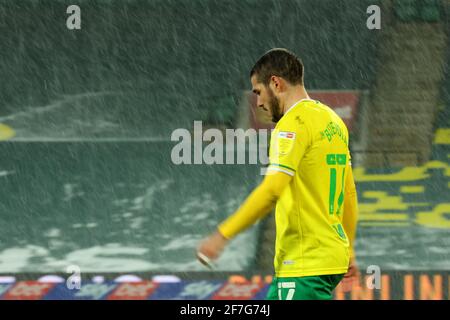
276,82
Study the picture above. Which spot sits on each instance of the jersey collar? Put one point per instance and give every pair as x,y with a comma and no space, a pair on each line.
296,103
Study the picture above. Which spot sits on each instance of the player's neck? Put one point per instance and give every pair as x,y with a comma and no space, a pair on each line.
294,95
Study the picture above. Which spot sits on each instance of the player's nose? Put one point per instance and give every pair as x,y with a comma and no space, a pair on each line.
259,102
262,107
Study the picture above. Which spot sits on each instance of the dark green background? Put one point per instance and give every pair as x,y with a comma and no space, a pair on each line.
137,70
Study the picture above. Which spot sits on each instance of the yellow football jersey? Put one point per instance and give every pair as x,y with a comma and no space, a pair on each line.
310,143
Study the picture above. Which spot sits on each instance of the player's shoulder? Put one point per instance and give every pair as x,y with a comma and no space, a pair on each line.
305,111
311,108
319,112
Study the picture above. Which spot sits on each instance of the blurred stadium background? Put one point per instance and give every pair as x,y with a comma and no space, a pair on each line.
86,117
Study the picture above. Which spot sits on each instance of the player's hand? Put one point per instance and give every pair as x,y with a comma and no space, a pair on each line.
211,248
351,278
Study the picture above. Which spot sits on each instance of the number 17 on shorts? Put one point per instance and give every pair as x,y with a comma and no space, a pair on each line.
286,290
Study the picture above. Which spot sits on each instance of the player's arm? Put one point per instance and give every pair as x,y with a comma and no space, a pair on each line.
349,221
257,205
350,217
287,147
288,144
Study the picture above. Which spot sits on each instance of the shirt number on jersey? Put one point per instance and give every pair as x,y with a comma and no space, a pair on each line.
337,164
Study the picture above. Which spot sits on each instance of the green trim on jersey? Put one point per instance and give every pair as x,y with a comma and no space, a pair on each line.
282,166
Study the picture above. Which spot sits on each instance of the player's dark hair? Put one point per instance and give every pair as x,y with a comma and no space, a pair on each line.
281,63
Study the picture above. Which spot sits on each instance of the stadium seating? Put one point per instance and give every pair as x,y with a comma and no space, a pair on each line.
165,59
139,70
405,96
406,10
418,10
412,200
441,141
115,207
430,11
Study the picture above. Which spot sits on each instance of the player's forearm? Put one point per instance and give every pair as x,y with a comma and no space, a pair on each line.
258,204
350,218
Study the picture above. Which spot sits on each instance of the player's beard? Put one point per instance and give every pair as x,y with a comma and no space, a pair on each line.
274,105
